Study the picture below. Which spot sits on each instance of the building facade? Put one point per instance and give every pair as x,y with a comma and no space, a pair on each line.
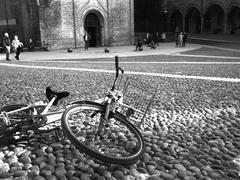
64,22
20,17
210,16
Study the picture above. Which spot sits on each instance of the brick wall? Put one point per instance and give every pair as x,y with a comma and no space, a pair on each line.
63,27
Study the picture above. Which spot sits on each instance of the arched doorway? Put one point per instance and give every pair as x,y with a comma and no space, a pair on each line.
176,20
214,19
234,20
93,26
193,21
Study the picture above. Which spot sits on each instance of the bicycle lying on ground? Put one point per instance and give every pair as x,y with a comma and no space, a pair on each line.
24,120
98,129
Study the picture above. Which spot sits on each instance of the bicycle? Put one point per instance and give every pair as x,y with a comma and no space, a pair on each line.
112,137
99,130
22,119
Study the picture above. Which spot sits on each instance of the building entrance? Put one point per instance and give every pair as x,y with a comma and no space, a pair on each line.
93,27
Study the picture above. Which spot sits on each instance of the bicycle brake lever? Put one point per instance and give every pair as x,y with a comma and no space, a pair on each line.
122,71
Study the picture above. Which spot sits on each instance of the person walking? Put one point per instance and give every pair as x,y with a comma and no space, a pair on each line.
7,45
86,39
17,46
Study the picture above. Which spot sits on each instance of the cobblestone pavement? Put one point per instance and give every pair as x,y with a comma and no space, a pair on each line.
98,53
196,133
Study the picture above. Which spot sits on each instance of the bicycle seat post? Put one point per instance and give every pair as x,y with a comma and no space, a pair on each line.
49,105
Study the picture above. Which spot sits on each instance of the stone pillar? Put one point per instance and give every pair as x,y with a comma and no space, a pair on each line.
225,19
202,22
131,26
183,23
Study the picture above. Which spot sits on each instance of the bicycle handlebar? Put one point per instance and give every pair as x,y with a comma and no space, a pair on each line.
117,71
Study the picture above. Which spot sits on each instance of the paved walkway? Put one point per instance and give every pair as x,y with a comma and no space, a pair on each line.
121,51
94,53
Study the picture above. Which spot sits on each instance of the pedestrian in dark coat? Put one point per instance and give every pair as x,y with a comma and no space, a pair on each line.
7,45
184,38
86,39
176,36
156,38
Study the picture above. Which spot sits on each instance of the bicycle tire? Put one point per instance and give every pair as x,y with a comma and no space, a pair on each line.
87,105
14,127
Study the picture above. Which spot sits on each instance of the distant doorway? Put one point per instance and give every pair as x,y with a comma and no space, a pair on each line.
93,27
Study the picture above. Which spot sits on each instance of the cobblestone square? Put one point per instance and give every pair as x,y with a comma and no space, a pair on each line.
196,109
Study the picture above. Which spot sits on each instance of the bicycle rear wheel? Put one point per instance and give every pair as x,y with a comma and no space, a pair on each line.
21,121
121,143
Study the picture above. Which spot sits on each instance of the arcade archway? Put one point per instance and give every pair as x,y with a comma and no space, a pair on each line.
234,20
176,20
193,21
214,19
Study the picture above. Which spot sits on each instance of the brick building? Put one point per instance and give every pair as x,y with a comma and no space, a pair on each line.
62,22
19,17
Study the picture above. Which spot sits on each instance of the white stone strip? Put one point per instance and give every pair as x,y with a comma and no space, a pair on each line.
235,80
221,48
142,62
202,56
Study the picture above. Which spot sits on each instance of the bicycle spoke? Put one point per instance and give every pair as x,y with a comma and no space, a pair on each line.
115,140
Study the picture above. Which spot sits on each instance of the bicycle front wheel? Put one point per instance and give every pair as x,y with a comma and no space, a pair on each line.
121,142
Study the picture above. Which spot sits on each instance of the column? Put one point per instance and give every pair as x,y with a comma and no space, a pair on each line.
225,23
183,23
202,22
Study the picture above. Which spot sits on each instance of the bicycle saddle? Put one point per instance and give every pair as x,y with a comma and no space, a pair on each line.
59,95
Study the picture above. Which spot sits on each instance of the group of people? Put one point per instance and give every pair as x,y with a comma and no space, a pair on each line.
16,46
180,38
151,40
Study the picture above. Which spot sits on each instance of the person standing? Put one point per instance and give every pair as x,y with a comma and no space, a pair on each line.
156,38
7,45
180,39
184,38
176,36
86,39
30,45
17,46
